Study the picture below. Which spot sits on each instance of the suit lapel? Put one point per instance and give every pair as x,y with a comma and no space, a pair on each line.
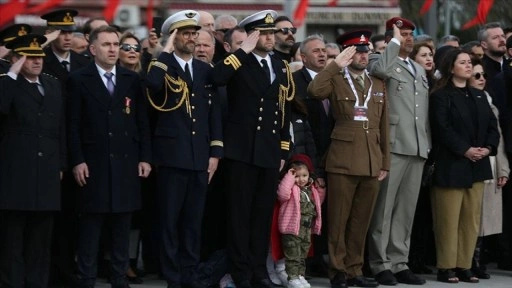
460,104
123,83
94,84
30,89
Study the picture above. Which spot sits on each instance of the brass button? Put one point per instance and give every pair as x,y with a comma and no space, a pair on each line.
275,122
274,131
193,107
194,120
258,128
261,99
193,132
40,154
261,109
193,95
259,118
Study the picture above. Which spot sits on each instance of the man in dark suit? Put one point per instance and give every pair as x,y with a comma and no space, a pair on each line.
314,57
109,149
32,157
187,145
60,60
257,142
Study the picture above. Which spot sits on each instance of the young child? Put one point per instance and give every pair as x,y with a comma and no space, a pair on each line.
299,216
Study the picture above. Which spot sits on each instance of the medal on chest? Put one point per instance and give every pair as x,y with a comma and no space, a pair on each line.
127,102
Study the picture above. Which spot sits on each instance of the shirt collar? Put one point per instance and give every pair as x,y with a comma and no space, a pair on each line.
103,71
183,62
68,59
312,73
258,57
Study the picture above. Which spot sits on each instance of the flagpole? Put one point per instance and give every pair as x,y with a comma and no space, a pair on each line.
447,18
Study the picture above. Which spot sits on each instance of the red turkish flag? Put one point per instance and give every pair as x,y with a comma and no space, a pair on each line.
10,9
426,6
300,13
41,8
484,6
110,10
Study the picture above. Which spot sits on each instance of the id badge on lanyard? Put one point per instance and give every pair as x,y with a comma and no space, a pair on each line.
360,112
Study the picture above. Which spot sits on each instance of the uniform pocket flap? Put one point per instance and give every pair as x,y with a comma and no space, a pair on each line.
343,135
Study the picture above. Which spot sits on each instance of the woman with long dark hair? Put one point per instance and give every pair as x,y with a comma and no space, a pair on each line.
464,134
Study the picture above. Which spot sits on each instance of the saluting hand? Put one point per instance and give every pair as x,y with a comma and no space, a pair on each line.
396,33
16,66
81,172
144,169
169,46
250,42
345,57
50,37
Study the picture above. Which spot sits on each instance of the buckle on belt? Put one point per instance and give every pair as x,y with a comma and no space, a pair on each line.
365,124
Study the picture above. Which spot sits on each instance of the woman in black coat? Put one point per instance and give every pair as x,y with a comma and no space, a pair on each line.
464,133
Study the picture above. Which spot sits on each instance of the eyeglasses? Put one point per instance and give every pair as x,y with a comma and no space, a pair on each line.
286,30
222,30
478,75
127,47
190,34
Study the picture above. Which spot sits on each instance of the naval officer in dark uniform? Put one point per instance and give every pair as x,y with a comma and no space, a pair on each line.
187,145
32,153
257,142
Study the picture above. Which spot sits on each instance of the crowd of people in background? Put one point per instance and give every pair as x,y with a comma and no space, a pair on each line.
232,154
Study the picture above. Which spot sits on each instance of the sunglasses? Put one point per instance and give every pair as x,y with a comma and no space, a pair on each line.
222,30
286,30
478,75
127,47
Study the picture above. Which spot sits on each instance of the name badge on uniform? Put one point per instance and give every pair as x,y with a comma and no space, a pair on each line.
360,113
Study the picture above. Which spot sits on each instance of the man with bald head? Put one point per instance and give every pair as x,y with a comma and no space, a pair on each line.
206,21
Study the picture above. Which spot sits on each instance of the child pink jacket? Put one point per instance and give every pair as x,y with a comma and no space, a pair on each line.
288,195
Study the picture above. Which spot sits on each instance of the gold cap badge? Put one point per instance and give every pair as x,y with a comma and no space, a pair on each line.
22,31
34,43
269,19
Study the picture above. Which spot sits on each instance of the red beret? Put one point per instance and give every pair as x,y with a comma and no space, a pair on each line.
358,38
304,159
400,22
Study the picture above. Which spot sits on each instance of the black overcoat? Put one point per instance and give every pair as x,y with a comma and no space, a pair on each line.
108,138
454,132
32,144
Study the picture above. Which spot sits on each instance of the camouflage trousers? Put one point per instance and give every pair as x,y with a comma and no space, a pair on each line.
295,250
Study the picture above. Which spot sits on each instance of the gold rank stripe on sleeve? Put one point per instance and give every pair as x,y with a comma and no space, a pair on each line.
217,143
159,65
233,61
285,145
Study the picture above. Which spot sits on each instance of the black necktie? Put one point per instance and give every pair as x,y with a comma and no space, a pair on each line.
188,75
65,64
267,70
39,88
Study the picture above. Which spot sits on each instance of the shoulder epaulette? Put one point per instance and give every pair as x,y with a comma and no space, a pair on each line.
3,74
49,75
5,60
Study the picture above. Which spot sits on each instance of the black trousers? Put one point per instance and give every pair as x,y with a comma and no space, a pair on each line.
25,249
90,227
251,194
181,196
